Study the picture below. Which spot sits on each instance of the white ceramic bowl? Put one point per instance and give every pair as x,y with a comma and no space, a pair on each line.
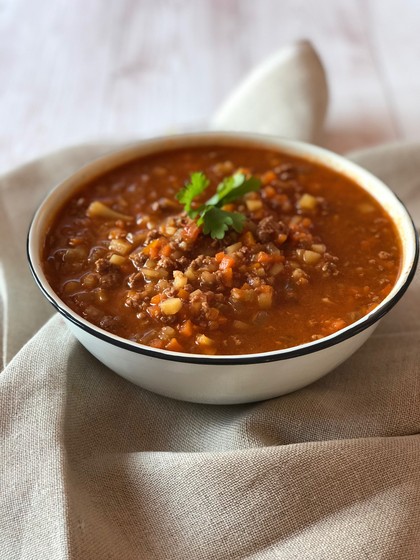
224,379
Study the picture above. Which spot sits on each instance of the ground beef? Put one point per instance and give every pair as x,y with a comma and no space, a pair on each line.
269,229
110,275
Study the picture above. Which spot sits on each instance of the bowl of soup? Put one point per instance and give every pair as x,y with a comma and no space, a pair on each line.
222,268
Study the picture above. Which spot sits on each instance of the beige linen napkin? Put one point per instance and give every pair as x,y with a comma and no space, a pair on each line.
93,467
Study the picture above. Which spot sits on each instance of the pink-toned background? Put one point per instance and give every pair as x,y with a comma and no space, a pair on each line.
72,71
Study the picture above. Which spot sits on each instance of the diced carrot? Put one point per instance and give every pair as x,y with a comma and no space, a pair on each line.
153,311
74,241
269,191
154,247
174,345
227,262
248,239
219,257
265,300
115,233
227,277
191,231
166,251
187,329
264,257
209,350
281,238
156,298
156,343
228,207
268,177
183,294
266,289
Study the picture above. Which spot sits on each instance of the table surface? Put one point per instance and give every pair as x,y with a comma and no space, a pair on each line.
85,70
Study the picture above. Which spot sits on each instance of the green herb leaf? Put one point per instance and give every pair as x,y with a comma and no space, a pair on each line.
198,184
216,222
232,188
210,215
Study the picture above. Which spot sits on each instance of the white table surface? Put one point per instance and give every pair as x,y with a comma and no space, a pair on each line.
79,70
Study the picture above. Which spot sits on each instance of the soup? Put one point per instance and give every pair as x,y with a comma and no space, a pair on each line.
222,250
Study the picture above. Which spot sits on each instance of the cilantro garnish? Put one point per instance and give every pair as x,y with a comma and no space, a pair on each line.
210,215
198,184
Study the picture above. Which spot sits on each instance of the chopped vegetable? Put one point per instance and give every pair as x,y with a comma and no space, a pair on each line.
97,209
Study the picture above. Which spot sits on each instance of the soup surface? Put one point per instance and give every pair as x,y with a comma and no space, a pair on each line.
313,253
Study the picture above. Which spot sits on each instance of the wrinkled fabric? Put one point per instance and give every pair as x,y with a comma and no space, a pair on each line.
93,467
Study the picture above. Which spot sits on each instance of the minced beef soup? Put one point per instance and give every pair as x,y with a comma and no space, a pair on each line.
316,253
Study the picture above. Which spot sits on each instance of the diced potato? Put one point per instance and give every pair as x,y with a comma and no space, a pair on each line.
311,257
265,300
276,269
237,294
150,263
298,273
97,209
207,277
254,205
118,260
162,284
190,274
223,168
166,333
241,325
272,249
307,202
90,281
179,280
120,246
154,273
170,306
319,248
75,254
233,248
71,287
204,340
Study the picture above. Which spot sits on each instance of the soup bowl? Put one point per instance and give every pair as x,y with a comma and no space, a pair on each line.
223,379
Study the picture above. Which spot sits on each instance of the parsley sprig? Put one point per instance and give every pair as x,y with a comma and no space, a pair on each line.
210,215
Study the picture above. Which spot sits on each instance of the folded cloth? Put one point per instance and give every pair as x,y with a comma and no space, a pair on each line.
293,80
93,467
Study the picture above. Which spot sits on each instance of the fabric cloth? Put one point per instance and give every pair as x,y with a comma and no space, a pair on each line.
93,467
266,100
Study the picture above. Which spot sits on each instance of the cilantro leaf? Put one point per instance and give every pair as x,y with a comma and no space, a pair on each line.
197,184
216,222
232,188
210,215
